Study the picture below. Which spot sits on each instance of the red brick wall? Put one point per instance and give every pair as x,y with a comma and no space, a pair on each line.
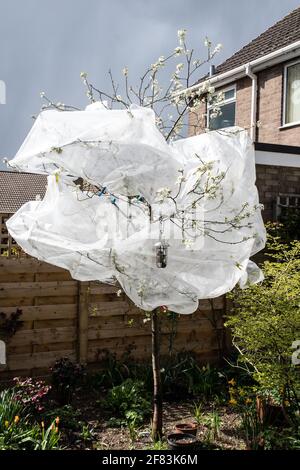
197,120
270,109
272,180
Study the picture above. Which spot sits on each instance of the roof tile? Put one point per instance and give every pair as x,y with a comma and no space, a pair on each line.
18,188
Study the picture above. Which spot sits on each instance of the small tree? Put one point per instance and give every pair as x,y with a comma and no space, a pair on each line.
265,323
171,105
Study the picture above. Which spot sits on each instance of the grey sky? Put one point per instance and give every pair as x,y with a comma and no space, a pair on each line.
45,44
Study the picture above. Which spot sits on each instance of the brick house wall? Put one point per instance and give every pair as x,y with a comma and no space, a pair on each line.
270,109
271,180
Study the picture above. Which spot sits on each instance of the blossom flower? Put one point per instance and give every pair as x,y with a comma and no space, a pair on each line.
163,193
83,75
42,94
181,35
179,67
17,419
217,48
232,382
207,42
188,243
248,401
178,50
119,98
232,401
125,71
180,179
6,424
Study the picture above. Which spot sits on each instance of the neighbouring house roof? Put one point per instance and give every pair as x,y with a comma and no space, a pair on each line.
281,34
18,188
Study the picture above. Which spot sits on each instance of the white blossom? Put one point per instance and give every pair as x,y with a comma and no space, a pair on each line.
163,193
188,243
180,179
178,50
83,75
42,94
217,48
207,42
119,98
125,71
181,35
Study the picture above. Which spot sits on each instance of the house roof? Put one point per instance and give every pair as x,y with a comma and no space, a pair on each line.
281,34
18,188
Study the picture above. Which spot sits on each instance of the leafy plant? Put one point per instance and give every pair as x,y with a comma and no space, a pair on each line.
182,376
129,402
87,433
69,417
66,377
199,413
17,432
266,321
10,407
31,393
10,323
159,445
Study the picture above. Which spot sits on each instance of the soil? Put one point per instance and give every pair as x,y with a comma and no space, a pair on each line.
104,437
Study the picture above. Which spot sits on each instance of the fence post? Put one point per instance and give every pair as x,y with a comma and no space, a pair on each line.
83,319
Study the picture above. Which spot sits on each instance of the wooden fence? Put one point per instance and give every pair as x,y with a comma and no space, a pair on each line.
80,320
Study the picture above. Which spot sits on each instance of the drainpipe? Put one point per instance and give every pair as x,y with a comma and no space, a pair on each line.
253,77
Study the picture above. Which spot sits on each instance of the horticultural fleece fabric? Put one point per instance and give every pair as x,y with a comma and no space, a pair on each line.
117,190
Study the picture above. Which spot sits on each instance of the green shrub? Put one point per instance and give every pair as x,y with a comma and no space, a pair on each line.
182,376
17,432
66,377
266,321
69,417
129,403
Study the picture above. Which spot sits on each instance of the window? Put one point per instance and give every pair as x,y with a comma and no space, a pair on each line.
225,117
292,94
288,213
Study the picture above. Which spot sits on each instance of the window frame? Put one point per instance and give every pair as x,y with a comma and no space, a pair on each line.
222,103
285,83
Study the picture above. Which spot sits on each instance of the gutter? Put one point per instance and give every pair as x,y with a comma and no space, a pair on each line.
253,77
276,57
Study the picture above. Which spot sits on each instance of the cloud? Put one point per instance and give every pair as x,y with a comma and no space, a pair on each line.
45,45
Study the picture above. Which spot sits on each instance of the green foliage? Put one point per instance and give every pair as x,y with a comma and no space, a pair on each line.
31,393
69,417
129,403
9,408
182,376
17,432
281,439
159,445
115,371
10,323
66,377
266,321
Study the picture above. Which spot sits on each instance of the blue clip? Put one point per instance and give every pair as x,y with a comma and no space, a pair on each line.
113,200
100,193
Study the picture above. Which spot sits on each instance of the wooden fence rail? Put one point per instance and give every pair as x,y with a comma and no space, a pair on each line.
66,318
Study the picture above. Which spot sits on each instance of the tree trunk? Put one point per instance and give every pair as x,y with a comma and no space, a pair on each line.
157,390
